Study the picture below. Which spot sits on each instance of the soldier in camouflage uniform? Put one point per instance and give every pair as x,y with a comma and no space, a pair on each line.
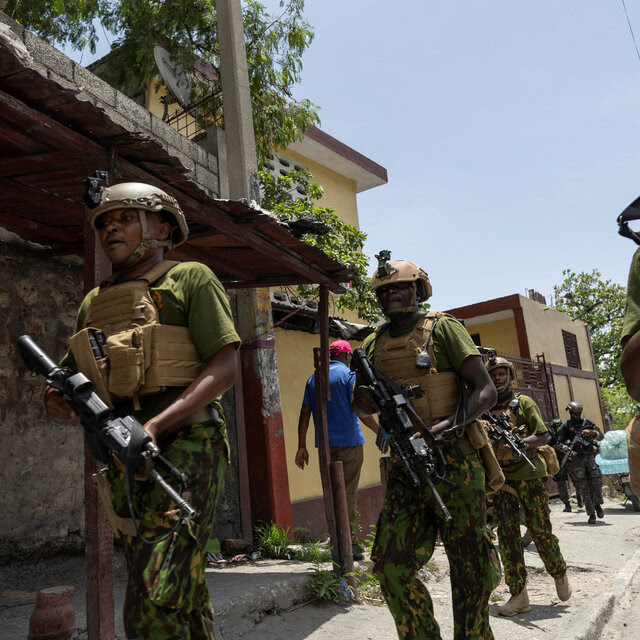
166,597
410,520
525,487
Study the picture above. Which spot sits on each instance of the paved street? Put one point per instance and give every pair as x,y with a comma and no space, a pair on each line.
595,555
255,601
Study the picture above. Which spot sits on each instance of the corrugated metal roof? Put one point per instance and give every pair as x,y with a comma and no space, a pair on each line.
54,133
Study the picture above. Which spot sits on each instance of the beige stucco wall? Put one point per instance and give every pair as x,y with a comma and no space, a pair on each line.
544,331
339,191
294,351
500,335
563,395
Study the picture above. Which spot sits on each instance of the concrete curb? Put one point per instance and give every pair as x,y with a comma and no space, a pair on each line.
234,618
588,622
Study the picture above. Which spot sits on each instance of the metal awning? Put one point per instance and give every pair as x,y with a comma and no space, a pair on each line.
54,134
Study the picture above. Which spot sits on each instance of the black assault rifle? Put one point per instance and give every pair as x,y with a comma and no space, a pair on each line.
106,433
423,462
587,445
501,430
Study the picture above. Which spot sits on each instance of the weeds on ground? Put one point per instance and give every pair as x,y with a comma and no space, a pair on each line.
495,597
367,585
272,540
324,585
314,552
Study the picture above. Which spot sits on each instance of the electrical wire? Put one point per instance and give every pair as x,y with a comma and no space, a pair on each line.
626,13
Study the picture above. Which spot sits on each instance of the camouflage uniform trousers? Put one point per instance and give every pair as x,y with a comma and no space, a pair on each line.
562,480
587,477
166,596
533,495
407,529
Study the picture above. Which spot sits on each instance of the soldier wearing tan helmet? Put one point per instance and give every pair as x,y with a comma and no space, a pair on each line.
427,353
169,352
584,469
523,487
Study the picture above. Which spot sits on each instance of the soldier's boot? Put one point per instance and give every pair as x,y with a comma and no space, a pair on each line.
579,501
563,588
592,519
567,507
516,604
599,511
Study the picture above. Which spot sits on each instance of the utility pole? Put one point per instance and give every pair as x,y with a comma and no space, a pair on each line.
270,499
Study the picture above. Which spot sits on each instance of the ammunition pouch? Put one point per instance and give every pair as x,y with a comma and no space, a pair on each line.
550,458
433,394
479,440
140,356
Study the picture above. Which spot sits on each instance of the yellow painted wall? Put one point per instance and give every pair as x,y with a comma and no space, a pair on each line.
500,335
294,352
339,191
339,194
187,125
544,330
563,396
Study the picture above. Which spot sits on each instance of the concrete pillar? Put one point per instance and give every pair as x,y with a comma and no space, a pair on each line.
269,483
236,103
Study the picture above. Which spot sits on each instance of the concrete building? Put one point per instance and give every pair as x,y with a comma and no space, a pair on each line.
552,352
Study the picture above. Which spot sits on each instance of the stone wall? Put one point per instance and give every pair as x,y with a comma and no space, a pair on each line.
41,460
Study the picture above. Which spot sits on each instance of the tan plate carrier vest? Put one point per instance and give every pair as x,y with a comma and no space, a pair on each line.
439,392
547,452
506,453
142,356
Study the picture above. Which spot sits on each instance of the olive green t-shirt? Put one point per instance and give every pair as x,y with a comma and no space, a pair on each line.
527,414
189,295
452,344
631,321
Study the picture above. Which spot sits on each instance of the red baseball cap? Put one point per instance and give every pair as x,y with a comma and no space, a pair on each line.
340,346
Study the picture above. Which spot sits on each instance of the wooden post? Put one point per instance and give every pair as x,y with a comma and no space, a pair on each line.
98,536
343,521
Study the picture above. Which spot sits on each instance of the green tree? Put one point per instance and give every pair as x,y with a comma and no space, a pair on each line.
341,241
600,305
188,30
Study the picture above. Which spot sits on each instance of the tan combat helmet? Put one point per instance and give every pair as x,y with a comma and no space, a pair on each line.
499,361
402,271
495,363
143,197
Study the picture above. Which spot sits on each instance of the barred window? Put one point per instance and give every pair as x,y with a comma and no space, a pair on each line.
571,349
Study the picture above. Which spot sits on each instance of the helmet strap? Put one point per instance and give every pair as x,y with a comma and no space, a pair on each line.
413,306
148,242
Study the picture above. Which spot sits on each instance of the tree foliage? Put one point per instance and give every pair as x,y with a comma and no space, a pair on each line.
600,305
343,241
188,30
619,404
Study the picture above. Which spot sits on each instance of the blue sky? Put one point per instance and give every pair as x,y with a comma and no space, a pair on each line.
510,131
